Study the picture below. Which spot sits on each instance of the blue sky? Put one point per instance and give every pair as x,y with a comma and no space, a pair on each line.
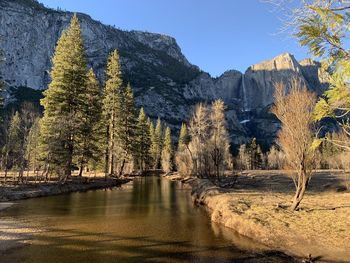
216,35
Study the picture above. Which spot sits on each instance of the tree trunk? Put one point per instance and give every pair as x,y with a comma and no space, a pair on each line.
6,160
300,191
36,172
122,168
27,177
81,170
111,165
5,178
107,154
111,146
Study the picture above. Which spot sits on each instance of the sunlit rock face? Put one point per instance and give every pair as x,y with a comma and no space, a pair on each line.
165,83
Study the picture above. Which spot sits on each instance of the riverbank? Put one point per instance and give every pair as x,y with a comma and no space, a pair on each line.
31,190
258,207
14,234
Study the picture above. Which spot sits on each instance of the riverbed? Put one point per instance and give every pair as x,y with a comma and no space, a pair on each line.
148,220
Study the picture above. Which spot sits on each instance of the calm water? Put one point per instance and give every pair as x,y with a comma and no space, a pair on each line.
148,220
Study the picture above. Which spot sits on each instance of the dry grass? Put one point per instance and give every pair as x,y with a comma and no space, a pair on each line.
258,207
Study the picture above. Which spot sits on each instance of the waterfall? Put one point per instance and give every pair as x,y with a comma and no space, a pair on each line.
245,102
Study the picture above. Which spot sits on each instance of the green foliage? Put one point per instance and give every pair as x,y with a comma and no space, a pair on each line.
156,143
167,152
89,137
112,107
65,99
126,126
143,141
2,89
255,155
13,148
184,138
324,30
322,110
32,145
316,144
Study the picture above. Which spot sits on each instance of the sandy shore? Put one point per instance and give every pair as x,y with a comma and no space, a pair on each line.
258,207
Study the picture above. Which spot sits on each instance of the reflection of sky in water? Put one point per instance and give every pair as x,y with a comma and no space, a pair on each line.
148,220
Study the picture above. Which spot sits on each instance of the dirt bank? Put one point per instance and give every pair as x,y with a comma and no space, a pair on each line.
261,211
25,191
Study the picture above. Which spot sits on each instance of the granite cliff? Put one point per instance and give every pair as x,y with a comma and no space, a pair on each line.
164,81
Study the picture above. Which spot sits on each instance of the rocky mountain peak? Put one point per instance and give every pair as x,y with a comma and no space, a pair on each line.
161,42
285,61
164,82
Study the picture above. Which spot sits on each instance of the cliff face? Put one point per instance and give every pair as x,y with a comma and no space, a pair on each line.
164,82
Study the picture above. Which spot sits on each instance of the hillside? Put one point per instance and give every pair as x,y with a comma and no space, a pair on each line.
164,81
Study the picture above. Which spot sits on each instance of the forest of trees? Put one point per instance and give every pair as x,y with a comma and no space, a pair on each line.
89,127
84,126
204,147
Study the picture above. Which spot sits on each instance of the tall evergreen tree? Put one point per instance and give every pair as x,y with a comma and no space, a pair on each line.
152,141
111,108
126,126
13,149
65,99
89,137
32,146
183,138
3,125
167,158
255,155
156,144
143,141
2,89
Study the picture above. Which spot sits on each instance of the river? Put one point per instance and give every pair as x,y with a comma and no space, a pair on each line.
148,220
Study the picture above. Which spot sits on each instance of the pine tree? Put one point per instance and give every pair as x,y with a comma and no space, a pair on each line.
28,115
64,100
111,108
88,148
152,141
13,150
167,158
183,138
143,141
2,89
156,144
2,117
126,126
32,146
255,154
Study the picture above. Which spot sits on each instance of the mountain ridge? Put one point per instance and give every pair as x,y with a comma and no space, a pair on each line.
165,83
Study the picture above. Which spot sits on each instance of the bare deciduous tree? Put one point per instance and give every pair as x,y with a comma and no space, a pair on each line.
244,157
219,141
275,158
294,108
206,152
199,130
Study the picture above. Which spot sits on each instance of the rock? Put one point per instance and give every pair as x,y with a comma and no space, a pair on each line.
165,83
